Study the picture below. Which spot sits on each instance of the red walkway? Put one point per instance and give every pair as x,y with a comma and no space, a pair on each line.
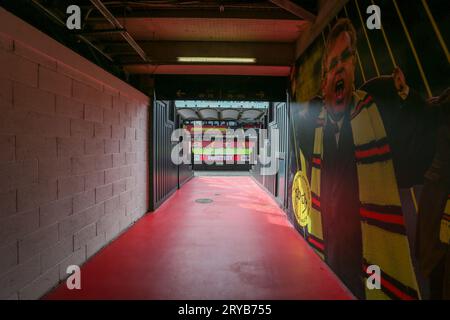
240,246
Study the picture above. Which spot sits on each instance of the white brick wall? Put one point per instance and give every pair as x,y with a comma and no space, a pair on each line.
68,159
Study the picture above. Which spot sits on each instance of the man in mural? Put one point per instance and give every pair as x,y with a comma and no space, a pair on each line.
363,140
433,227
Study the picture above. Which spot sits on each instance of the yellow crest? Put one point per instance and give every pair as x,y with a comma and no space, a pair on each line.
301,198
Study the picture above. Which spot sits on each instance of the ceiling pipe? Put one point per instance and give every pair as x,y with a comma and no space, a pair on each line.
294,9
110,17
58,20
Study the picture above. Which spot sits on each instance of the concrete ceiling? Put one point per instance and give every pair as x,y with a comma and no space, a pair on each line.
207,29
161,31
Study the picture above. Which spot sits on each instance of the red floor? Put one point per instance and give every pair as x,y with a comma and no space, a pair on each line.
240,246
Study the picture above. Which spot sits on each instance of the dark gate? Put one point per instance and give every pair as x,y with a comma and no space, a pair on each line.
276,183
164,171
281,178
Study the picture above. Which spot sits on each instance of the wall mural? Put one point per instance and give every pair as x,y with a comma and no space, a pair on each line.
370,165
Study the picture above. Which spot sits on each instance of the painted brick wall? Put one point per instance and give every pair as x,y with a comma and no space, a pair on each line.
73,159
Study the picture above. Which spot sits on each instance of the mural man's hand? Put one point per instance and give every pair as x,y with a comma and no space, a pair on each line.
442,105
400,83
443,99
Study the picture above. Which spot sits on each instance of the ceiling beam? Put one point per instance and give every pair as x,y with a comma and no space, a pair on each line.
166,52
327,11
110,17
276,14
234,70
294,9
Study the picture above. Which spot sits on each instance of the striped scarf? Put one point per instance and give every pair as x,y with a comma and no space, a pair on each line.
382,224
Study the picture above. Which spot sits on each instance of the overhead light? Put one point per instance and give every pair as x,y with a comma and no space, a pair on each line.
216,59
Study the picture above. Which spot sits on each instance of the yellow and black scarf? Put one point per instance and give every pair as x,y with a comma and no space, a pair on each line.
383,229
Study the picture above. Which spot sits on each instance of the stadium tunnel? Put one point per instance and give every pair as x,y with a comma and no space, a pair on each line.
93,120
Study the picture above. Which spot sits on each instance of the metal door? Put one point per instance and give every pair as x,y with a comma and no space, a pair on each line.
164,171
281,118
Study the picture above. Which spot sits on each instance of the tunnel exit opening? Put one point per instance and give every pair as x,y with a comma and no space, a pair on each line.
220,126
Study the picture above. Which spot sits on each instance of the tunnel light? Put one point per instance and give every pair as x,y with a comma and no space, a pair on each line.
216,59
